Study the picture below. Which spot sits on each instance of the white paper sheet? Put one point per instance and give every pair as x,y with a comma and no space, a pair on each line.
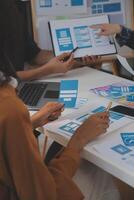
71,122
60,7
71,33
125,64
116,151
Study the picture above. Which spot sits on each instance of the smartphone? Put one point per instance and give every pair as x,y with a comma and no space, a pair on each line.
123,110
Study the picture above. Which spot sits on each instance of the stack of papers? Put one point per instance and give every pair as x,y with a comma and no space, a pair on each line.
122,92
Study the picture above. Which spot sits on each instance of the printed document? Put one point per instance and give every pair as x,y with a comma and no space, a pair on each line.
68,34
71,122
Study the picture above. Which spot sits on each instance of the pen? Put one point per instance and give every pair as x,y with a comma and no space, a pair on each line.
74,50
66,58
109,106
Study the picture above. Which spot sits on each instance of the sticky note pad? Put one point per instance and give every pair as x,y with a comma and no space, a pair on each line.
68,93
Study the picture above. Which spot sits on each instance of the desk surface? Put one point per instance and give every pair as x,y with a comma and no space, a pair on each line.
90,78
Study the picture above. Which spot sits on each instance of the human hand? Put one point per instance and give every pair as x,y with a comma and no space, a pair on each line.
58,65
94,126
91,60
48,112
107,29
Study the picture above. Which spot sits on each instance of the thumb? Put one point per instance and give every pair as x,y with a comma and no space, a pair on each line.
70,60
56,107
63,55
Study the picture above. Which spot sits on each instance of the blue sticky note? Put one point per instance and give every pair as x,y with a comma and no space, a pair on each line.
99,109
122,150
128,138
68,93
123,89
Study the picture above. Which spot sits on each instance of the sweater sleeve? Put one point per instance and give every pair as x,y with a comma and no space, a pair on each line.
31,178
126,37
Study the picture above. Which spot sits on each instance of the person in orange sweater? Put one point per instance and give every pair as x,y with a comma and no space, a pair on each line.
23,174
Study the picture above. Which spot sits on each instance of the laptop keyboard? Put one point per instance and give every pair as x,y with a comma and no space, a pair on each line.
30,93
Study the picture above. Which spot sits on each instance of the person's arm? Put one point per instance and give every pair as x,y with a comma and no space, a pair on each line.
55,65
49,112
124,36
42,57
31,178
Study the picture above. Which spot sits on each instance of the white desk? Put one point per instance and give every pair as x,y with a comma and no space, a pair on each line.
90,78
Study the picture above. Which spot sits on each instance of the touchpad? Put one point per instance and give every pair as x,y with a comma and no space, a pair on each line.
51,94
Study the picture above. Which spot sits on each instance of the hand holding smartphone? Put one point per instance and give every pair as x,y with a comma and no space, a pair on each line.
66,58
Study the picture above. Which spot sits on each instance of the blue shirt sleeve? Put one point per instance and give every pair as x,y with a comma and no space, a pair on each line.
126,37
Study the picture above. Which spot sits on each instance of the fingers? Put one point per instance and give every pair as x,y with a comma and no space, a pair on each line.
102,119
63,56
55,115
87,60
70,61
102,115
57,106
97,26
104,29
53,107
91,59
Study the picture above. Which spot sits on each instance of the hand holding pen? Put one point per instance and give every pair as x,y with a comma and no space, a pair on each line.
67,57
109,106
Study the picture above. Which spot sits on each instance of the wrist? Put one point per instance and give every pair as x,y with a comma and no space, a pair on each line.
76,143
48,69
119,29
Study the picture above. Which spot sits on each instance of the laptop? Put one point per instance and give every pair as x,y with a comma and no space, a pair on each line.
35,94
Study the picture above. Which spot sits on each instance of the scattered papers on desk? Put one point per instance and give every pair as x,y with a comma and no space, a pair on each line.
80,102
72,121
125,64
122,92
117,151
128,138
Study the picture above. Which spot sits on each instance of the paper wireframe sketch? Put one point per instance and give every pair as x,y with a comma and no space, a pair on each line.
60,7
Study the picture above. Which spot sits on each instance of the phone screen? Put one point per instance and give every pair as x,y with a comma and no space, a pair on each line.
124,110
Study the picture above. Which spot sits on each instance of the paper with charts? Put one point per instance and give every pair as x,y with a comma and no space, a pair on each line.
121,92
71,122
119,148
61,7
68,34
